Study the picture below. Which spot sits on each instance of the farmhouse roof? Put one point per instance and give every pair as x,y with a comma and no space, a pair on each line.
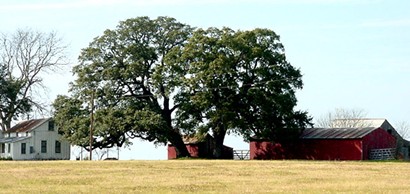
12,139
336,133
28,125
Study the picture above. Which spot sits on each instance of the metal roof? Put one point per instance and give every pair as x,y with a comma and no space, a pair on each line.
374,122
25,126
359,122
336,133
13,139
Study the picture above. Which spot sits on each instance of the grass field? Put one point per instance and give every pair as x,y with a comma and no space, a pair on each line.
203,176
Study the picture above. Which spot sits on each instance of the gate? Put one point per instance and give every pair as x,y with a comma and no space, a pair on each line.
382,154
241,155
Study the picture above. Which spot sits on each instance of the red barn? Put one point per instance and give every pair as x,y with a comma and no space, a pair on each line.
200,148
261,149
327,144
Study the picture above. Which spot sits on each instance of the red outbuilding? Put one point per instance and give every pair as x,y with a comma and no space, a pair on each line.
201,147
330,144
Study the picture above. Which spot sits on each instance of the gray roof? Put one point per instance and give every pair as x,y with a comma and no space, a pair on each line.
359,122
336,133
25,126
13,139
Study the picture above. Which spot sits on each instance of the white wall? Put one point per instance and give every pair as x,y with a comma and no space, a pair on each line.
41,133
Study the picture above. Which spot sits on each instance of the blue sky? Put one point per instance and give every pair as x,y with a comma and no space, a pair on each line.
352,53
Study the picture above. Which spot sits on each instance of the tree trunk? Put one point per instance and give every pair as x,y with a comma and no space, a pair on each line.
7,125
174,135
219,137
178,143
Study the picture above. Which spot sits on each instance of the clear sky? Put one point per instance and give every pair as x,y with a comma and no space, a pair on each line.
352,53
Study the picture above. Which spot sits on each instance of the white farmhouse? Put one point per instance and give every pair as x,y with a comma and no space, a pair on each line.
35,139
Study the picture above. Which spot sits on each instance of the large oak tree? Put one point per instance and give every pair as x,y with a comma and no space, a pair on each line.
240,82
132,83
159,80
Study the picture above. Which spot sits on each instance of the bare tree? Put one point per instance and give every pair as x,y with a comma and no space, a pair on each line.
342,117
403,128
24,57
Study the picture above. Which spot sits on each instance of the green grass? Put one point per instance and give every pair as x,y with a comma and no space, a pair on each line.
203,176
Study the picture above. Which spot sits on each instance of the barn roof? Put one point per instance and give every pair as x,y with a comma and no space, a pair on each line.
359,122
25,126
336,133
193,139
374,122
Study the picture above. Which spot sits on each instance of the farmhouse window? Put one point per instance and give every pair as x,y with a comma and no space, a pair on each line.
58,147
3,148
8,148
23,148
44,146
51,125
31,149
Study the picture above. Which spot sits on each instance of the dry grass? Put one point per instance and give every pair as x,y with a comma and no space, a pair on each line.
203,176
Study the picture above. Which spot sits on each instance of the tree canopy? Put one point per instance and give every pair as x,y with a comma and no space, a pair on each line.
158,79
240,82
125,67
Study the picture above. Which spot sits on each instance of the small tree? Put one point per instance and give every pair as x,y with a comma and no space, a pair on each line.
24,56
403,128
